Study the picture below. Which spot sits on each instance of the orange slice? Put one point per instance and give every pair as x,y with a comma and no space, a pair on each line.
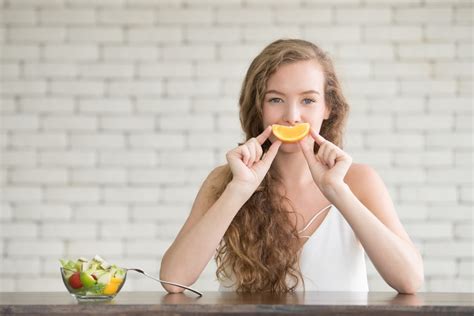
290,134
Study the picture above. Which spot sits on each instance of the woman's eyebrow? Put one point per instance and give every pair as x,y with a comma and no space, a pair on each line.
275,92
311,91
281,93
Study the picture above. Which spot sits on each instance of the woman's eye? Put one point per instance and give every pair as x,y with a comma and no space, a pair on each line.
275,100
308,101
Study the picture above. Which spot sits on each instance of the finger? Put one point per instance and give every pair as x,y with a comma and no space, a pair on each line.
270,154
245,154
317,138
307,152
331,158
252,151
264,135
258,150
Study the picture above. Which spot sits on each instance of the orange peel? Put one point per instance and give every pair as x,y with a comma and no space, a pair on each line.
290,134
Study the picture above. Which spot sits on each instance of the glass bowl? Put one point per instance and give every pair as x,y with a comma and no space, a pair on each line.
87,287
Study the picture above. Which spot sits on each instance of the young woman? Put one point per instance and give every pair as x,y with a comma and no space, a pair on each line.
280,217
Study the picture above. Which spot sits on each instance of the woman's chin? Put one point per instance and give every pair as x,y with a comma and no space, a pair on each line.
290,147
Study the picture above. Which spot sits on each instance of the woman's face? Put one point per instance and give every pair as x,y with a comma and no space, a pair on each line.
295,94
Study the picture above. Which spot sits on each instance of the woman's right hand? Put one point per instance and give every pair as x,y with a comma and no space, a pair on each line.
247,164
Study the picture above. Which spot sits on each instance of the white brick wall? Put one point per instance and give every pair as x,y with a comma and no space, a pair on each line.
114,111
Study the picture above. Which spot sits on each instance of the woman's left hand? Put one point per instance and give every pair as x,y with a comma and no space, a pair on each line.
329,166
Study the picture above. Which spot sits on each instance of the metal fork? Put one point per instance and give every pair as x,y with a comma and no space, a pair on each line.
166,282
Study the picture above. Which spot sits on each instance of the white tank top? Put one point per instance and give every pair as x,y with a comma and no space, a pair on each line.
332,259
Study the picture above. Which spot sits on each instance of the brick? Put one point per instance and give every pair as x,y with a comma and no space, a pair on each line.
20,52
401,140
168,231
135,123
132,194
95,3
35,3
78,88
265,33
463,158
451,285
363,15
446,104
463,123
448,33
292,15
10,71
425,122
158,176
166,104
464,231
23,87
39,211
102,141
8,105
162,212
98,176
466,267
107,213
404,176
175,87
15,266
126,16
26,248
64,230
369,51
333,34
71,52
450,212
72,194
350,70
465,88
431,158
130,53
19,17
228,123
370,123
439,267
428,193
449,140
423,52
180,193
27,176
157,140
205,34
184,52
136,158
208,140
184,123
223,105
467,192
45,70
399,105
220,70
79,158
158,34
208,3
441,15
185,16
135,88
243,16
106,70
36,34
95,34
142,247
84,249
428,87
165,70
23,158
105,106
415,211
372,88
430,231
76,123
443,249
18,231
244,52
464,51
393,33
402,70
452,70
450,175
67,16
38,140
189,158
134,230
19,122
377,158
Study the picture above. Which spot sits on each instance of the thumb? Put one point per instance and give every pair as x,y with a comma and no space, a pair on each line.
307,152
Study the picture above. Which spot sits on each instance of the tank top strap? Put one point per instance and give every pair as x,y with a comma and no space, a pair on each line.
313,218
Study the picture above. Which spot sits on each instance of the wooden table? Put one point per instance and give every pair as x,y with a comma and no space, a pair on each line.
230,303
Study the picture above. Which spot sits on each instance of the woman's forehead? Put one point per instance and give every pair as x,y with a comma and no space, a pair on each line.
298,76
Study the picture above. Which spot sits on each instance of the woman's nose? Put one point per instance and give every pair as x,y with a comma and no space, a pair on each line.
292,114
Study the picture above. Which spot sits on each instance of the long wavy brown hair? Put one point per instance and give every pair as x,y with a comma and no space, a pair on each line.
259,251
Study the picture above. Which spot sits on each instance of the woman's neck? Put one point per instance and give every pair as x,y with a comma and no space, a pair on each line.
293,169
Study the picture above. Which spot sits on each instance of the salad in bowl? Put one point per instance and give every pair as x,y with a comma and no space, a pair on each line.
92,280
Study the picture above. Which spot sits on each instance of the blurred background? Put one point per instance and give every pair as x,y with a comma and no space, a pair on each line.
114,111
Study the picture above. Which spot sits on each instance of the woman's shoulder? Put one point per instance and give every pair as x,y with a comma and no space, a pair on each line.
363,180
